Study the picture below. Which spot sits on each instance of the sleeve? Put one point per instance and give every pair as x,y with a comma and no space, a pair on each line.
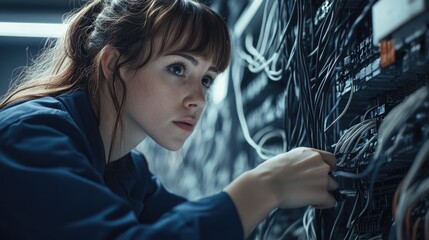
50,190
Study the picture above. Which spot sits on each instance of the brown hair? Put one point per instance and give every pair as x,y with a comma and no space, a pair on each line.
131,26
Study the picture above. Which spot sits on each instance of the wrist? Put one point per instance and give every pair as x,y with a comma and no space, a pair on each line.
252,195
264,184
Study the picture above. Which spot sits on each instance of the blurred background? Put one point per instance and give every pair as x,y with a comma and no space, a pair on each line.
19,43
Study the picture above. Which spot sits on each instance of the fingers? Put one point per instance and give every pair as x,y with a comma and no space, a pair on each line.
333,188
328,158
331,195
327,201
332,184
308,169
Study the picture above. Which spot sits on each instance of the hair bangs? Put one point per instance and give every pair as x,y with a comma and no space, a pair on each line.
196,29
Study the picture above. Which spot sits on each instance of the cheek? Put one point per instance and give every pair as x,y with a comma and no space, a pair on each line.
139,86
139,96
146,100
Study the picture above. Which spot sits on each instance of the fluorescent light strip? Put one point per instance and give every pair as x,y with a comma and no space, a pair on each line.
247,16
34,30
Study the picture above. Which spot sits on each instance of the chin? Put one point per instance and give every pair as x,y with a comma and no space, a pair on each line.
172,146
173,149
172,143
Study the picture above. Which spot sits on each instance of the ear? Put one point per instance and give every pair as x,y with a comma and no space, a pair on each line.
108,58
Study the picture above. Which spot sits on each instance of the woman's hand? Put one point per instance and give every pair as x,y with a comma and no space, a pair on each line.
300,177
294,179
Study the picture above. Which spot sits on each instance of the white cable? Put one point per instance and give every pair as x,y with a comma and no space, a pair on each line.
236,77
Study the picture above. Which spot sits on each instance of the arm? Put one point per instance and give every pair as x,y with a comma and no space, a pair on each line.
290,180
51,190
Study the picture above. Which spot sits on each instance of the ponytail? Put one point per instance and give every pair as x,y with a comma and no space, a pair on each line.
78,33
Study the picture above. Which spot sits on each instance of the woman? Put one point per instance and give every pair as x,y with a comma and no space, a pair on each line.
127,70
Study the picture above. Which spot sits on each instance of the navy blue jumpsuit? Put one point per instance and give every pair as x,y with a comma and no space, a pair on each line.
54,183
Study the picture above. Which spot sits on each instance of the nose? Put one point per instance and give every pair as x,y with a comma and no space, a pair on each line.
196,98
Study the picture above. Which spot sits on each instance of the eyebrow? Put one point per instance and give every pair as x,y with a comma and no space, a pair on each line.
193,60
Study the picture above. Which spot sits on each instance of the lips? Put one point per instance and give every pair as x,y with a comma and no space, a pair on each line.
186,124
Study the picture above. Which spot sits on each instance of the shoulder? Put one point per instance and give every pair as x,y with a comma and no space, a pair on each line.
45,108
42,119
36,123
43,115
45,129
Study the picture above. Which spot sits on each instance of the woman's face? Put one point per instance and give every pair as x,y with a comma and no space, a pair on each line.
166,97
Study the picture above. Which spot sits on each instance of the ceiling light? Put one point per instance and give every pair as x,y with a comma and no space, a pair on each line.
35,30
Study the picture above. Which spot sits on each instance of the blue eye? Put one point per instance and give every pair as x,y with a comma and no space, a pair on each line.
177,69
207,81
